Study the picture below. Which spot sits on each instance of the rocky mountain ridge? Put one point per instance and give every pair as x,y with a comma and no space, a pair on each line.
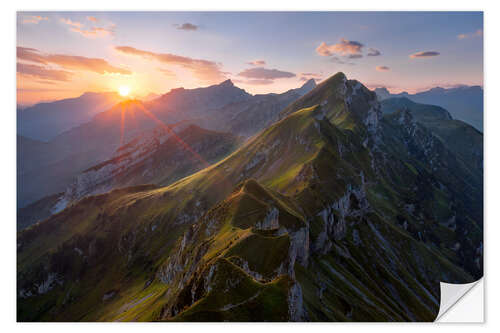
335,212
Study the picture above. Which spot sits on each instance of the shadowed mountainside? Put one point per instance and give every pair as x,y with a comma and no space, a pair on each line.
465,103
51,167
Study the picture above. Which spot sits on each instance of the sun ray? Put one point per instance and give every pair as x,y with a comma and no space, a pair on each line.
174,135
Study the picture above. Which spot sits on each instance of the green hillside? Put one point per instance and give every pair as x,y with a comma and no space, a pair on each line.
333,213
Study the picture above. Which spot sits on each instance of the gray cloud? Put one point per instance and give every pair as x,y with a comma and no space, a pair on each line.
339,61
261,73
257,63
424,54
373,52
187,26
382,68
355,56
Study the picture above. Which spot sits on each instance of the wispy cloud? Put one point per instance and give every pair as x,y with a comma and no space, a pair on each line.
34,19
72,62
167,72
424,54
202,69
40,72
186,26
344,47
382,68
304,79
257,63
311,74
71,23
373,52
89,32
339,61
355,56
307,76
477,33
261,73
94,32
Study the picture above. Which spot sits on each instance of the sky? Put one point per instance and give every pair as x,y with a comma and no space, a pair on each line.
64,54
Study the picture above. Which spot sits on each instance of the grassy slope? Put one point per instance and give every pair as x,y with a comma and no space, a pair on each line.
303,163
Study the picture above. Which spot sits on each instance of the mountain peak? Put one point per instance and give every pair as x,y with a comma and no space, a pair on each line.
227,83
310,84
344,102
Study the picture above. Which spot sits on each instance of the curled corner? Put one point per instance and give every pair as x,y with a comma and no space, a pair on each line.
451,296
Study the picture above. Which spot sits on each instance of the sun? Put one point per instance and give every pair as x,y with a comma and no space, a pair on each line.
124,91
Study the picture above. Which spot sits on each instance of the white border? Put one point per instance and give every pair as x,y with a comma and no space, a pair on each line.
8,152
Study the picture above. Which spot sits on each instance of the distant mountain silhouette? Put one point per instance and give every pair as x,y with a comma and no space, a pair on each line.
464,102
44,121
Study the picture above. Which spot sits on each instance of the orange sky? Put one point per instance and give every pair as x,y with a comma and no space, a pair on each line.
64,54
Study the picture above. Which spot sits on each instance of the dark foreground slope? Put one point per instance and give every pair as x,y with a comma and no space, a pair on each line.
334,213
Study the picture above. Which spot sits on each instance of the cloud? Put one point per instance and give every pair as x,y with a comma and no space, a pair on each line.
261,73
40,72
71,23
30,54
256,63
202,69
424,54
344,47
34,19
478,33
373,52
92,32
355,56
311,74
187,26
304,79
382,68
96,65
167,72
307,76
339,61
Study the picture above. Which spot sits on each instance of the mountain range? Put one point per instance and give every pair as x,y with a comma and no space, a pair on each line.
44,121
464,102
336,207
45,168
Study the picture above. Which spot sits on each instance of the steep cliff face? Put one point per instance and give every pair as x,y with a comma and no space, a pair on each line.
333,213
